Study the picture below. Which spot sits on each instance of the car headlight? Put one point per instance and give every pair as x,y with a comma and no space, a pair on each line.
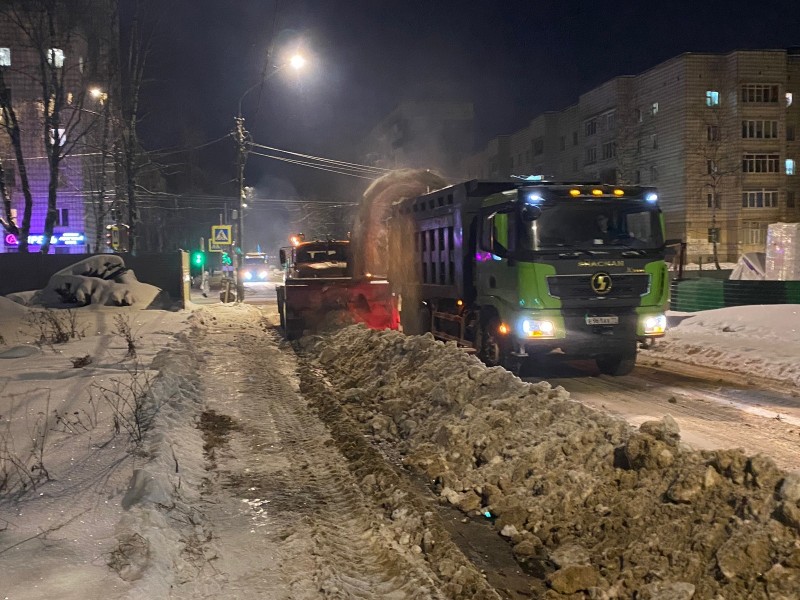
248,275
262,274
536,328
655,324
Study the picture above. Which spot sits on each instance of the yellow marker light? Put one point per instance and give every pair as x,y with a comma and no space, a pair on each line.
597,192
459,303
503,329
619,192
573,192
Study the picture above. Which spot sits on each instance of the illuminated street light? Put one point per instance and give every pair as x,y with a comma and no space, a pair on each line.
297,62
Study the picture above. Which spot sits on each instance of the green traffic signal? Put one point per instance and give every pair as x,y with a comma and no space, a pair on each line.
198,259
226,259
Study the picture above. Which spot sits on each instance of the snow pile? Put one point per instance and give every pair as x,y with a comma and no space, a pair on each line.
590,504
101,280
756,341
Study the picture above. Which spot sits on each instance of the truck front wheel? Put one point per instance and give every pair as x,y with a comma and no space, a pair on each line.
616,364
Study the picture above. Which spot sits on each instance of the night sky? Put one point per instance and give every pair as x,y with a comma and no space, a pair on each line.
513,59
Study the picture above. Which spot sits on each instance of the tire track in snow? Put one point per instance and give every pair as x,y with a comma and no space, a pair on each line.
292,521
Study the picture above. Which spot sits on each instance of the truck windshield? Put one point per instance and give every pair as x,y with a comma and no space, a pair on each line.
590,225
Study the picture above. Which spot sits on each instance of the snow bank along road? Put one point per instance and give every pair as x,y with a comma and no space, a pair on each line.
314,453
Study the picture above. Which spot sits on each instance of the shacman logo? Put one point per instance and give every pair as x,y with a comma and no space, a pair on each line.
601,263
601,283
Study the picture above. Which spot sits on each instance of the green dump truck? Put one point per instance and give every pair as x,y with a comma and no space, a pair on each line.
514,270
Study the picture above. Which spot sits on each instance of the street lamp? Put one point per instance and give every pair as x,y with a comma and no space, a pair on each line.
296,62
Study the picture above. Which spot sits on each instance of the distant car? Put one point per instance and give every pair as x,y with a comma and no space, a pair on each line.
255,267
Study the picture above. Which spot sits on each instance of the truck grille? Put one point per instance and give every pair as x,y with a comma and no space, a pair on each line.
624,285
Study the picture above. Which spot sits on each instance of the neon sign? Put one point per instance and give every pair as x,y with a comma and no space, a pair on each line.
61,239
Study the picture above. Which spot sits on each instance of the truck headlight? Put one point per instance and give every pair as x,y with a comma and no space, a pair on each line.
536,328
262,274
248,275
655,324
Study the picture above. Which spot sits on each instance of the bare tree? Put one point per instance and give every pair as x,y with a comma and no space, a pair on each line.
628,132
714,159
10,124
138,36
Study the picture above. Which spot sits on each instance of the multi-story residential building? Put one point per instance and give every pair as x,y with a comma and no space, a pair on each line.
75,59
716,133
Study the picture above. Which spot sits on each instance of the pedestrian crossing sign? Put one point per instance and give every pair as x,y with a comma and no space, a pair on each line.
221,235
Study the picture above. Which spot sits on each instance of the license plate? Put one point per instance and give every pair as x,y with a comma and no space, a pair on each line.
612,320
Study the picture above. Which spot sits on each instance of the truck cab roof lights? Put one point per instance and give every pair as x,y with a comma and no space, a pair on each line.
619,192
574,192
597,192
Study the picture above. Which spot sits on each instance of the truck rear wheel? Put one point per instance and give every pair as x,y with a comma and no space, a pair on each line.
493,348
616,364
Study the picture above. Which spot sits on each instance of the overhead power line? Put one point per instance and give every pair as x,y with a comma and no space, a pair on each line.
313,165
329,162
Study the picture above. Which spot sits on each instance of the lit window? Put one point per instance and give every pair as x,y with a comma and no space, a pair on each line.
788,98
712,98
5,57
790,166
56,57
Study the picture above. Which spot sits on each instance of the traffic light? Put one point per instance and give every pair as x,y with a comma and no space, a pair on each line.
226,259
198,258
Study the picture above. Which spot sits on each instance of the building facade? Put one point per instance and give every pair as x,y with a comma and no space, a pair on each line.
73,61
716,133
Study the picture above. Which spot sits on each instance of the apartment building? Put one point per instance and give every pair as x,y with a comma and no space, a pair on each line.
75,58
716,133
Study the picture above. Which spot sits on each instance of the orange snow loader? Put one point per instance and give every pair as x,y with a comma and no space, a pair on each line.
319,289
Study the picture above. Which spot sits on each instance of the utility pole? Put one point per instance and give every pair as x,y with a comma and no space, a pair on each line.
238,242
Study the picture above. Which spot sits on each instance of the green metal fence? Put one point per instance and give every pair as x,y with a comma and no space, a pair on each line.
691,295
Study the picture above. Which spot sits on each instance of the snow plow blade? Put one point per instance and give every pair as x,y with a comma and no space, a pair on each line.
314,304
